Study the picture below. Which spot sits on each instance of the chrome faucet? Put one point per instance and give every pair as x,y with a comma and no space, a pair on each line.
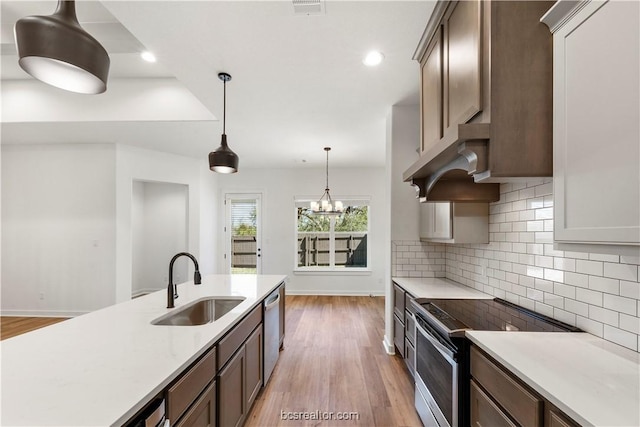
172,290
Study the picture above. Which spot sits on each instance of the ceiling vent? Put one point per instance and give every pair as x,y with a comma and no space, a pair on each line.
308,7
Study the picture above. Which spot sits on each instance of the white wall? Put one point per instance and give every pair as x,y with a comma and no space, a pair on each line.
58,240
159,225
403,136
279,187
135,164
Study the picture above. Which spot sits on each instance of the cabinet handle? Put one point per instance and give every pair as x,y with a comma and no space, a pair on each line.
272,304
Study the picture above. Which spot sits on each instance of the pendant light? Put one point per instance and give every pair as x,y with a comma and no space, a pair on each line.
223,160
326,206
58,51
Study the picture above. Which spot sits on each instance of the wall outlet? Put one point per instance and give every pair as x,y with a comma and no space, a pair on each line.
41,295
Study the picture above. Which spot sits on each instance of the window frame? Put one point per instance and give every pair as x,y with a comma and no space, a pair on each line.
332,269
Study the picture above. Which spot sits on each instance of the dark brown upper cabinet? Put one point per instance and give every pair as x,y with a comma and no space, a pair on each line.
486,99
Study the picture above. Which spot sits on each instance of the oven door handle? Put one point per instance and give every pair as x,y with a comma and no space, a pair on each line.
446,353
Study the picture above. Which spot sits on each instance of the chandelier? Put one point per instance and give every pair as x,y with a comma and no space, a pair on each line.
325,205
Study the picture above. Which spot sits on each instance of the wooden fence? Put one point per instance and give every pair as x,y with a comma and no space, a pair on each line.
350,250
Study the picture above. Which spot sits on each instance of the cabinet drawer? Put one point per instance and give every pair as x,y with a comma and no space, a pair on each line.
398,332
398,298
525,407
203,412
189,386
407,303
485,413
410,357
234,339
410,327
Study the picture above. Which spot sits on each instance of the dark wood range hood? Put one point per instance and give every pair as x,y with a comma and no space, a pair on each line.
486,100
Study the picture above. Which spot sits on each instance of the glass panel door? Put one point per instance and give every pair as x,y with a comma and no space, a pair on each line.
243,249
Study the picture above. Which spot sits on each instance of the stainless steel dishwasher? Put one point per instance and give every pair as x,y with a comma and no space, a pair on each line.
271,333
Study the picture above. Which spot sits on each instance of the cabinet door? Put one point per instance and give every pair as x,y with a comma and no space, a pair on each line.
596,94
203,412
232,408
431,91
462,68
398,335
398,302
485,413
435,220
254,371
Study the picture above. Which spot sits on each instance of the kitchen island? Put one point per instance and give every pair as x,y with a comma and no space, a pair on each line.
101,368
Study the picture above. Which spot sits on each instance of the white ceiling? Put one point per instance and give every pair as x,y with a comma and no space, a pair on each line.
298,81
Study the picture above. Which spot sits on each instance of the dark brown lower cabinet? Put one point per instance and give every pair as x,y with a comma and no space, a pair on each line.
231,381
500,399
240,381
203,411
485,413
398,335
253,360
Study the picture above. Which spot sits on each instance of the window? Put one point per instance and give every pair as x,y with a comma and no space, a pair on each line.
332,242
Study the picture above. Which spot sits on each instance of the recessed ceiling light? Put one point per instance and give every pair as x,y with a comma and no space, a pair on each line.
373,58
148,56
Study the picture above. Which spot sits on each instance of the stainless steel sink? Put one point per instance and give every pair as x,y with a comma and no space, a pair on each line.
199,312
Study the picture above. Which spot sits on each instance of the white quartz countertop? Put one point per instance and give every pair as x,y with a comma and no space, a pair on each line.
99,369
595,382
438,288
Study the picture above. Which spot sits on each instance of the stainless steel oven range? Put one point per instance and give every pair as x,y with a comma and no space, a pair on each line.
442,352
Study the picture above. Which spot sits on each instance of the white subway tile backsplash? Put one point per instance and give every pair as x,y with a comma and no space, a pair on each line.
554,300
621,304
630,289
594,268
577,307
554,275
630,323
564,316
544,213
544,237
604,257
603,315
618,336
576,279
564,290
621,271
603,284
589,296
545,309
543,261
599,293
564,264
591,326
544,189
630,259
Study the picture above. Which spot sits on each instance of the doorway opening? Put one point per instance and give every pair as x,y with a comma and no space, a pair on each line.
159,228
243,253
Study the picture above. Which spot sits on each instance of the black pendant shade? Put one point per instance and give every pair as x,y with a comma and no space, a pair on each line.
223,160
58,51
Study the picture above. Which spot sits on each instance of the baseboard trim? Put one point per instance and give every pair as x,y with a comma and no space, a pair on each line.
388,347
41,313
336,293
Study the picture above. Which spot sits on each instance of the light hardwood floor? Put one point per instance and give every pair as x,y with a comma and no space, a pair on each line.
334,361
13,326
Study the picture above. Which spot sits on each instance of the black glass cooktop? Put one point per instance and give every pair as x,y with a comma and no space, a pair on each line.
489,315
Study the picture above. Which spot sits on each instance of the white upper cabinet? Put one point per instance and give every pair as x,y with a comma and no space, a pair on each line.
596,125
446,222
